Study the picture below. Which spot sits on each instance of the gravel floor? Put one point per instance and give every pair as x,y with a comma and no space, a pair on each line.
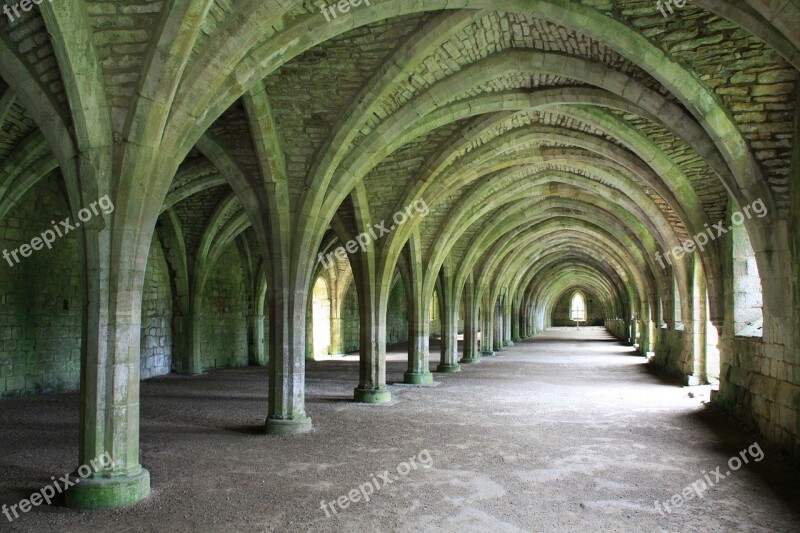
568,432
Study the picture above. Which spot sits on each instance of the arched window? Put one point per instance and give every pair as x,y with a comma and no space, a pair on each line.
713,356
747,296
676,303
577,309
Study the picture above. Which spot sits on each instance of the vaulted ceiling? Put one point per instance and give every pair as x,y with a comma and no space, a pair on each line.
556,143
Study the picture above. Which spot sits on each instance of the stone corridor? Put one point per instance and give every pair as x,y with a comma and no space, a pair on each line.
355,224
569,431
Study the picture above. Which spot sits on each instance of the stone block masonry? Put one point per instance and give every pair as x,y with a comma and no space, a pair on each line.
156,340
559,145
40,328
58,231
711,233
666,6
224,337
40,333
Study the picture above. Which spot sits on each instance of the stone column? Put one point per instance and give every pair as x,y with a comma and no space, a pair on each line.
508,318
699,323
497,324
487,331
528,320
309,324
449,353
287,338
189,359
651,331
183,349
109,390
372,349
418,372
471,354
255,336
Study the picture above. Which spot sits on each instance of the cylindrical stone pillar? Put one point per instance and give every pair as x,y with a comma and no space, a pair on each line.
449,352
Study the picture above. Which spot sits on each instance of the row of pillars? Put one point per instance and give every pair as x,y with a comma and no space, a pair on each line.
500,323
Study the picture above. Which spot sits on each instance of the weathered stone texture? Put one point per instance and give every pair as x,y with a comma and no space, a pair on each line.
123,32
28,36
223,320
555,155
305,107
17,126
41,297
156,344
749,77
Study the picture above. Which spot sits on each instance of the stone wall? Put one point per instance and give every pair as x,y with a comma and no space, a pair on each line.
617,328
758,389
40,300
223,341
594,313
670,346
759,374
156,342
40,304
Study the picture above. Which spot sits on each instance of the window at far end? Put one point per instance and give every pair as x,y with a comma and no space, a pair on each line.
577,310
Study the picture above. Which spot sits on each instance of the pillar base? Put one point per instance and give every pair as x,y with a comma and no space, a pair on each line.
508,343
107,493
372,395
288,426
487,354
449,369
418,378
694,380
469,360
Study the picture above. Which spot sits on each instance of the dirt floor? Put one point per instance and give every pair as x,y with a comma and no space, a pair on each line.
568,432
